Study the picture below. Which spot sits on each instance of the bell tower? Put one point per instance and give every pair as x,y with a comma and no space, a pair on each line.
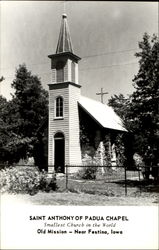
64,94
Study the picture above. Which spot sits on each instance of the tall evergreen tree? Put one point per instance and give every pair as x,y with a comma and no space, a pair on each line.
121,105
25,113
30,100
4,135
140,112
144,112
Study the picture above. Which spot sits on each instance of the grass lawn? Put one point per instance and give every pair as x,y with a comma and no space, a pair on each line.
93,192
107,190
111,188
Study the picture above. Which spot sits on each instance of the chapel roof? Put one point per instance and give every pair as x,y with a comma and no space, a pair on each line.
64,42
102,113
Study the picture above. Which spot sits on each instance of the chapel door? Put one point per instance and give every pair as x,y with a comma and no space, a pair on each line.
59,153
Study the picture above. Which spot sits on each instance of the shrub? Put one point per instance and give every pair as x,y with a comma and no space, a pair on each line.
47,184
87,172
25,180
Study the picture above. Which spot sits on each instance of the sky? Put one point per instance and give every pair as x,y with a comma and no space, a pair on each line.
104,34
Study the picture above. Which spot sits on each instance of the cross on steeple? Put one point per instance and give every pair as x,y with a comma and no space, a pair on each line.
64,6
102,94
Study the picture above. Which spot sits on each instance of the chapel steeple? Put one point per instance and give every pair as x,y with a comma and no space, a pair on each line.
64,42
64,62
64,95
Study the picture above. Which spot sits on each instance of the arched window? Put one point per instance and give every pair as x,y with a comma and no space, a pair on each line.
59,136
59,107
60,71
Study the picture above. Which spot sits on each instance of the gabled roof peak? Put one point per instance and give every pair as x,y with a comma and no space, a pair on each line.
64,42
102,113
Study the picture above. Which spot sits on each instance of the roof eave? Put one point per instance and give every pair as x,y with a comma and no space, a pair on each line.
69,54
124,130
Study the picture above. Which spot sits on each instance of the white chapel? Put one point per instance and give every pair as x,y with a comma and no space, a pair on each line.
69,112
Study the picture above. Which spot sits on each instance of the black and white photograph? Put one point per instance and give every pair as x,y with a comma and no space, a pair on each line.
79,124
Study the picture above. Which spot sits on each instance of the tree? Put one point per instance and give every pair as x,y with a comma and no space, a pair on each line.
25,113
140,111
121,106
124,142
4,135
30,100
2,78
9,140
143,113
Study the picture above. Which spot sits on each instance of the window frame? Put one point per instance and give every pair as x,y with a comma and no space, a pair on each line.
59,107
60,76
73,71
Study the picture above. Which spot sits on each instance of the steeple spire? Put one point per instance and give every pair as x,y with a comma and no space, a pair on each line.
64,42
64,62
